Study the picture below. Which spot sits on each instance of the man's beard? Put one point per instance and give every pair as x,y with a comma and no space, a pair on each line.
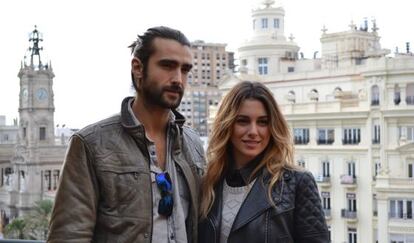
154,95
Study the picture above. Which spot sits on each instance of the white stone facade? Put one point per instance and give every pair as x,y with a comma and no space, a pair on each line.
352,118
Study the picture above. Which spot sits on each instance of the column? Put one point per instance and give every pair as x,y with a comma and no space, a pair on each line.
403,90
382,200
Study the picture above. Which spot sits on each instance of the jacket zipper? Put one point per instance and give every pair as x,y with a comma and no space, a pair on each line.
214,229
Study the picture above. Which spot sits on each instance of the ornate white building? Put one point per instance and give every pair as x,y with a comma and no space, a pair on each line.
351,112
30,155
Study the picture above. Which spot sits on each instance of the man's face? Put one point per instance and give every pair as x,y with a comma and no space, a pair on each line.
167,73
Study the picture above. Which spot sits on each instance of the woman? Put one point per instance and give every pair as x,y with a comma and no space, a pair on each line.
252,192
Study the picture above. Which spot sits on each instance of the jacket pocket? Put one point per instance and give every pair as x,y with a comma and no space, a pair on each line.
121,185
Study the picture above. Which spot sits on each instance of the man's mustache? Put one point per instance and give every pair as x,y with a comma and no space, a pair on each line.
174,88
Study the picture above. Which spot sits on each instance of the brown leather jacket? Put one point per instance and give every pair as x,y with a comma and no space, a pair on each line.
104,195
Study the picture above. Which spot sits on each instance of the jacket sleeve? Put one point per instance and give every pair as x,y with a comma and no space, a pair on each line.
309,219
74,213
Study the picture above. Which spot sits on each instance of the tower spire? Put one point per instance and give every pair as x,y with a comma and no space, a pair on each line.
35,37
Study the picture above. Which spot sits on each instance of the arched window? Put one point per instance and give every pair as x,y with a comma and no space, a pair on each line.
397,95
314,95
337,92
375,97
291,97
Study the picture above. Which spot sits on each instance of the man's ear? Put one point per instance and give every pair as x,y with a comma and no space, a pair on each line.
137,68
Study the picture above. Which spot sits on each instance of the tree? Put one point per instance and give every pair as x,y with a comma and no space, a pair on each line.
38,220
34,225
15,229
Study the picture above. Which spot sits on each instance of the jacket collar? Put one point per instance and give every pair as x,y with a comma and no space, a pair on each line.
257,201
129,123
242,177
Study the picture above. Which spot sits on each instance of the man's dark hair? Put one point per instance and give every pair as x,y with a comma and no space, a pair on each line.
143,47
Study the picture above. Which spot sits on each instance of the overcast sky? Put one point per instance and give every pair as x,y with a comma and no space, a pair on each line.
87,40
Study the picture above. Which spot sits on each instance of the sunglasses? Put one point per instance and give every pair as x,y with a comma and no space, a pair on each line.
165,206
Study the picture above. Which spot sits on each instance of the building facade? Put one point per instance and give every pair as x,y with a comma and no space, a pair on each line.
30,155
211,63
351,113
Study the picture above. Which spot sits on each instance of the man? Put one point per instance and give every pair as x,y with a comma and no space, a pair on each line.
134,177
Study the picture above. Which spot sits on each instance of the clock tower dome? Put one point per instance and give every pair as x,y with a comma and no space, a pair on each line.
36,106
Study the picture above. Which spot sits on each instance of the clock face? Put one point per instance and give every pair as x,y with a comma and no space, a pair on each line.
41,94
25,94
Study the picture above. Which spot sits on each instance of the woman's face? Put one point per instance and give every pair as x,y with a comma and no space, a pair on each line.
251,132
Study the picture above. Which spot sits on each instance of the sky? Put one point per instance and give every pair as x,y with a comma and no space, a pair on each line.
86,40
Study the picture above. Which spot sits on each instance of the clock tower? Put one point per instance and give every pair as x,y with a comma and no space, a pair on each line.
36,106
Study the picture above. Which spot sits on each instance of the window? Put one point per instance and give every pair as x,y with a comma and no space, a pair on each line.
397,95
291,96
56,174
411,170
262,65
401,209
254,23
326,200
291,69
351,136
351,198
301,135
314,95
325,169
326,136
24,132
375,95
42,133
48,180
374,205
410,134
244,62
352,235
377,167
410,94
377,134
351,169
264,23
276,23
301,163
329,230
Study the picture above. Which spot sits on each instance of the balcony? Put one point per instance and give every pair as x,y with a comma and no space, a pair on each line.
323,180
349,181
327,212
301,141
374,102
350,142
401,216
350,216
325,141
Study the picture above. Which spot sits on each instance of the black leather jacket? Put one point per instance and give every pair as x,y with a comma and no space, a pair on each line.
297,218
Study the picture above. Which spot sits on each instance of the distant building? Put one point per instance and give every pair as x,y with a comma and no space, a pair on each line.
351,113
211,63
30,155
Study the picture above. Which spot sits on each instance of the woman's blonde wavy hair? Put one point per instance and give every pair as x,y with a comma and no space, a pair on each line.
277,155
